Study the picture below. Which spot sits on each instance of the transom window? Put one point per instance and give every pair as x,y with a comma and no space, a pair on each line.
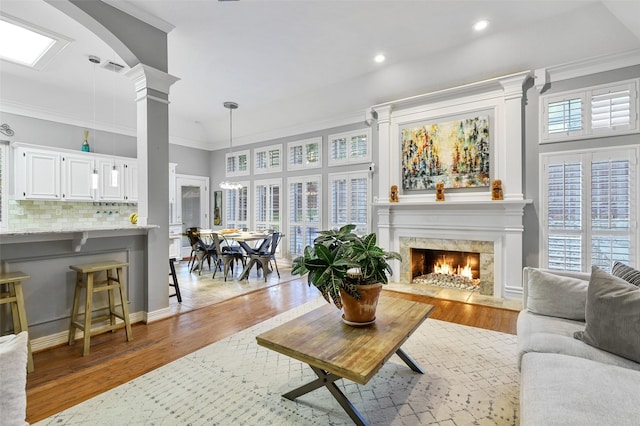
593,112
237,164
350,148
268,159
304,154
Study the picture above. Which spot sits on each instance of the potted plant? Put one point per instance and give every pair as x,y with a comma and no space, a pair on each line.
348,269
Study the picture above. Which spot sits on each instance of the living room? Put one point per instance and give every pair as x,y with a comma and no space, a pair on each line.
510,93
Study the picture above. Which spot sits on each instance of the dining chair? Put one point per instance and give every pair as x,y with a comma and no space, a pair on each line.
227,256
260,256
276,237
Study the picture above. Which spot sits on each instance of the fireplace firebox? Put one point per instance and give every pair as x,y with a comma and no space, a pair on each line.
445,268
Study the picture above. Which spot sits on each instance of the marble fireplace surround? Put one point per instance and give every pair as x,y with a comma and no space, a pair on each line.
497,224
483,248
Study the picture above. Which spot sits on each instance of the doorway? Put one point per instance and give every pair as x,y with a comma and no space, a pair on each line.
192,206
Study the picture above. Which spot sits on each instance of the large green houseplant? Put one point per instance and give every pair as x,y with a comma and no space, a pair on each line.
343,260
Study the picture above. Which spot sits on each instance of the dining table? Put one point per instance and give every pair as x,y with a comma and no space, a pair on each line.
232,238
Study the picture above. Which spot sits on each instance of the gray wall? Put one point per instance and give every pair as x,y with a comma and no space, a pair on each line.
532,149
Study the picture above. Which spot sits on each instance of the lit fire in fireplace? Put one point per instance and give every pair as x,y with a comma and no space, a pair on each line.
447,268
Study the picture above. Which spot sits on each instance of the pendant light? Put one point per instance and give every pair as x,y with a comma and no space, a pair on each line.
114,170
225,184
94,176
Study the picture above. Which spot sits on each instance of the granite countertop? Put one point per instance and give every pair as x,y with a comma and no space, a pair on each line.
77,229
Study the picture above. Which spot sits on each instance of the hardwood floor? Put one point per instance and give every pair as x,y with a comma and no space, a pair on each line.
63,377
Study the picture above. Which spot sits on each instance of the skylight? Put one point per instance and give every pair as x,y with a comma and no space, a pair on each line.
26,44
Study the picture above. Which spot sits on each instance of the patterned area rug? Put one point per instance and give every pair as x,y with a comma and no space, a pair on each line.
470,378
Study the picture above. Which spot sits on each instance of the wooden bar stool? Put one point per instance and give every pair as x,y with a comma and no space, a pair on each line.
15,297
113,281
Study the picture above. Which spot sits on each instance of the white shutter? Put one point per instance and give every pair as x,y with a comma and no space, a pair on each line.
350,200
611,108
565,116
350,148
304,212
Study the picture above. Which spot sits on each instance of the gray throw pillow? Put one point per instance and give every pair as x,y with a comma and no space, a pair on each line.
556,296
626,272
613,315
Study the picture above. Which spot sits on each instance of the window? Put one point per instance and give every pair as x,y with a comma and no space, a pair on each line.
237,164
350,148
304,154
28,44
593,112
4,184
349,200
268,159
238,207
304,212
267,212
589,209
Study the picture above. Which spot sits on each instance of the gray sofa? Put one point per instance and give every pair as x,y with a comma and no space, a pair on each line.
565,381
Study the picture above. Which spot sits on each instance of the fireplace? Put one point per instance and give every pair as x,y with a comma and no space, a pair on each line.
421,256
445,268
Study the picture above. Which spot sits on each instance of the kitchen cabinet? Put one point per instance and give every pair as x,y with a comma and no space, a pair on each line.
173,215
37,174
44,174
77,171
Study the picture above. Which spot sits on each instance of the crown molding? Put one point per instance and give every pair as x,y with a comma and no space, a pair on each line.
593,65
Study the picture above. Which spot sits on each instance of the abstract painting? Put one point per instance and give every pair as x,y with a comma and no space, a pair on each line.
455,153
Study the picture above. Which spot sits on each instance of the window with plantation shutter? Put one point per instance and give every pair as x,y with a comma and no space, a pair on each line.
304,212
237,207
304,154
605,110
267,204
589,208
237,164
349,200
267,159
350,148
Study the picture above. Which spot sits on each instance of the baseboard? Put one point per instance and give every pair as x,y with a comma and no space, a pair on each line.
46,342
157,315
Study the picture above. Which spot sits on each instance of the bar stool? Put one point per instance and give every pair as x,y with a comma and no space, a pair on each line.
174,278
15,297
114,281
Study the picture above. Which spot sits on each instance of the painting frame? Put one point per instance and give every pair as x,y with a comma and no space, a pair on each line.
217,208
454,150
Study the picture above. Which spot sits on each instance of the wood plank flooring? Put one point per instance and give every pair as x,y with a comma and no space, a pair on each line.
64,378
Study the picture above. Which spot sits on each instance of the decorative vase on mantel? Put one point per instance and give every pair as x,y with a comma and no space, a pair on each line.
85,144
359,313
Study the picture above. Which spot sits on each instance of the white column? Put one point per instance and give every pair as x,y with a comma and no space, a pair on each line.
384,142
152,97
513,110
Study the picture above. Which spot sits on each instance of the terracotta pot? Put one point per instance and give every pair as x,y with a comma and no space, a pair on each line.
363,311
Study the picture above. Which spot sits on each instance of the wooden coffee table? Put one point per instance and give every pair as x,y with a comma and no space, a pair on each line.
336,351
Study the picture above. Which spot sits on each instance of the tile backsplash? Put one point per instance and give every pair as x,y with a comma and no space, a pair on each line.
30,214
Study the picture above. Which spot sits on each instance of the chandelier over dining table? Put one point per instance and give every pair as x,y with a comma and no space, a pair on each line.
226,184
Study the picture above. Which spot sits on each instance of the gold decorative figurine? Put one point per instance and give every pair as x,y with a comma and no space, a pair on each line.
394,194
439,191
496,189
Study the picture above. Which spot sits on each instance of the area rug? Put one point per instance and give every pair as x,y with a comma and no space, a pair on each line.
470,378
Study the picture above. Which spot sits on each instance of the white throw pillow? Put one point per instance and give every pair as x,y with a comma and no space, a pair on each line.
13,379
556,295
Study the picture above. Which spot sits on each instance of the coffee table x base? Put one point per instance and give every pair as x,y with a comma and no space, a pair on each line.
326,379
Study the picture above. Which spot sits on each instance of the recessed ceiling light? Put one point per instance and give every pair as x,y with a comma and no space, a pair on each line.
481,25
379,58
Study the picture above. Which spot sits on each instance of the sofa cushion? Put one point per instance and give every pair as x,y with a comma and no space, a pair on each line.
626,272
613,315
13,379
540,333
565,390
556,296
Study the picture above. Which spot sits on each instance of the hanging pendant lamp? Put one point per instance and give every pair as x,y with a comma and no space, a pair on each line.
225,184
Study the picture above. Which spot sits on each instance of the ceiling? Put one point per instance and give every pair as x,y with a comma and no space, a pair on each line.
301,65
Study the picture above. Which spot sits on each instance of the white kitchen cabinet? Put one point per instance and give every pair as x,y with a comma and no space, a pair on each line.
173,215
77,171
106,191
37,174
130,181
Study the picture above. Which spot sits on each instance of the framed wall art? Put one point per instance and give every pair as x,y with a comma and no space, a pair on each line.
455,153
217,208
